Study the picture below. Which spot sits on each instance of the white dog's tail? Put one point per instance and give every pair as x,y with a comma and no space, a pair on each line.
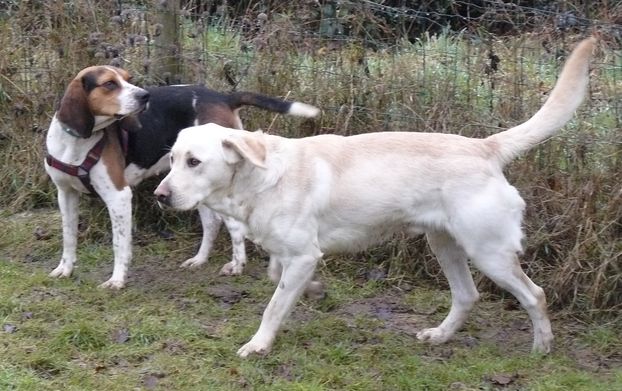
556,111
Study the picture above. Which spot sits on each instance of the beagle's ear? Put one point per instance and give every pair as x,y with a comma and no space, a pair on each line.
131,123
74,110
249,147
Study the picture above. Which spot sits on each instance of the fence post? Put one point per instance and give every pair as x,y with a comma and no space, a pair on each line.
167,48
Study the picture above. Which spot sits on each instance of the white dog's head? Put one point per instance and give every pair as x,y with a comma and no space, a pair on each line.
204,160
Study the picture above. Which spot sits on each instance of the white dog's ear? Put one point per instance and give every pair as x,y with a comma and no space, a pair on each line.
248,147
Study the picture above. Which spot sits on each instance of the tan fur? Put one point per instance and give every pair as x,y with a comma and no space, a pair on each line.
100,101
112,157
74,109
220,114
78,107
251,149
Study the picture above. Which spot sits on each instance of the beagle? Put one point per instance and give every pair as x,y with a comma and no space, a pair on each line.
109,135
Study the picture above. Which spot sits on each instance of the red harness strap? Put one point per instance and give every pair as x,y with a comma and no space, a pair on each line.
83,170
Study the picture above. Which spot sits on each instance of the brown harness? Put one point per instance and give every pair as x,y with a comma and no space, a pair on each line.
83,171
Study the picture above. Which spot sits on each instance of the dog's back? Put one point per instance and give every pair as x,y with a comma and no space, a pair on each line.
173,108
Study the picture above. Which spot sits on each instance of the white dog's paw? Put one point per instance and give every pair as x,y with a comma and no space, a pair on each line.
193,262
112,284
542,343
61,271
232,269
434,335
254,346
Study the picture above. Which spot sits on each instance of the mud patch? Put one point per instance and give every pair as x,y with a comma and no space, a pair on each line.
391,312
490,322
226,294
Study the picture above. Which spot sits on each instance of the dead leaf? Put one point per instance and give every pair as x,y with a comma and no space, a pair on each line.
227,294
100,368
503,379
9,328
150,381
121,336
41,234
285,371
376,274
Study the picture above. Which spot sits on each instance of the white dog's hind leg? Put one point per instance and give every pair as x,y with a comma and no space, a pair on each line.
490,232
119,205
237,231
210,223
504,269
68,203
464,295
297,272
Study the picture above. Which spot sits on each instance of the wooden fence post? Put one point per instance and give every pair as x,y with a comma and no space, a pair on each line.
167,47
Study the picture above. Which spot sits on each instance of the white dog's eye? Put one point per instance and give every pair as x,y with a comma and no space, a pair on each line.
192,162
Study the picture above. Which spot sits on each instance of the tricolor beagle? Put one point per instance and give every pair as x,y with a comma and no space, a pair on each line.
96,145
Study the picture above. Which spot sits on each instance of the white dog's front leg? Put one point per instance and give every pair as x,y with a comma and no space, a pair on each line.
119,205
210,222
237,231
296,274
68,203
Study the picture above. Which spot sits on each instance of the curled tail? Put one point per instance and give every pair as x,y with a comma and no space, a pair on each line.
239,99
559,108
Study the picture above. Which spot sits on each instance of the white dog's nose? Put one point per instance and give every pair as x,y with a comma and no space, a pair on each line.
163,194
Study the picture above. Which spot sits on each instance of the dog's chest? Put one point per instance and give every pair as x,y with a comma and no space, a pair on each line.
67,148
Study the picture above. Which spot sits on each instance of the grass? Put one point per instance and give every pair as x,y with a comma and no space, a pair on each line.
179,329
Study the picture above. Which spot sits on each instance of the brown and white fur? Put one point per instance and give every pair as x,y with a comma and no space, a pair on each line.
302,198
96,104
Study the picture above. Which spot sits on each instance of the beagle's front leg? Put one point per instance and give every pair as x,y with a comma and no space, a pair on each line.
119,204
210,222
237,231
68,203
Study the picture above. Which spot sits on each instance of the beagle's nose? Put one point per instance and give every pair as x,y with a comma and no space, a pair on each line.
143,96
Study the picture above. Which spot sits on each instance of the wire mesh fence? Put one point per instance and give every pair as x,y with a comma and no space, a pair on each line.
467,67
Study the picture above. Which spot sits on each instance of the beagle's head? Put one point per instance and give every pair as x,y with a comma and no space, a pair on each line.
97,96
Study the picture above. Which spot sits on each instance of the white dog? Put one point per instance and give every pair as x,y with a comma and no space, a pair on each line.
301,198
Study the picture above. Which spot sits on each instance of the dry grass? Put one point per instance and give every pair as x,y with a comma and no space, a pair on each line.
441,83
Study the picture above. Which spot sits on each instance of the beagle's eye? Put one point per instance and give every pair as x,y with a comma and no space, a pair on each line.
110,85
192,162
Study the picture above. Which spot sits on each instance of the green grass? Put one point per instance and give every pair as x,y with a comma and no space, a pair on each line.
168,331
